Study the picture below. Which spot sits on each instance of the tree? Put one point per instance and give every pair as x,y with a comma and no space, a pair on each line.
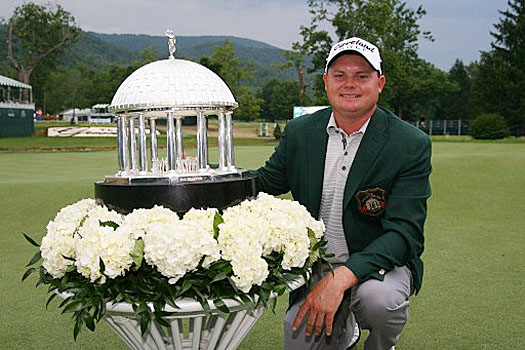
279,99
83,86
223,62
457,104
294,58
422,87
499,82
40,33
393,27
249,105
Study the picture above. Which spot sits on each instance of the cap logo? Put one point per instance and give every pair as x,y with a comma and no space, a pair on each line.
353,45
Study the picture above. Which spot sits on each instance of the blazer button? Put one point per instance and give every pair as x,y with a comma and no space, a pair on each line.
382,272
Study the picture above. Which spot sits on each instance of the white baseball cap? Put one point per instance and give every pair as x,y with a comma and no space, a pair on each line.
369,51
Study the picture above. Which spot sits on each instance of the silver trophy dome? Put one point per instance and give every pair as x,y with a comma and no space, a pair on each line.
175,84
172,84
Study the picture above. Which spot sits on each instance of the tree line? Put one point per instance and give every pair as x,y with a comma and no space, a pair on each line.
416,90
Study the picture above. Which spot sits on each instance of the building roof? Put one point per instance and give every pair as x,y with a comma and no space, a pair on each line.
76,111
101,105
5,81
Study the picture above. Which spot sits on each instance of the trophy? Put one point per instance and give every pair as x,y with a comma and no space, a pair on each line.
173,89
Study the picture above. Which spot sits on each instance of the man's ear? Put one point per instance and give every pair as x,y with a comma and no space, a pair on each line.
324,79
380,83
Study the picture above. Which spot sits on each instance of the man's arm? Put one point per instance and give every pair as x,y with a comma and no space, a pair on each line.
272,177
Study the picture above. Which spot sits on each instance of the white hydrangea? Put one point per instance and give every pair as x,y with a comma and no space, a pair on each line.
289,228
256,228
177,249
138,221
74,213
104,243
241,240
205,218
60,237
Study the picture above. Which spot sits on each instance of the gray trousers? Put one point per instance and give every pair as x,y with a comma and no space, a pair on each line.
379,306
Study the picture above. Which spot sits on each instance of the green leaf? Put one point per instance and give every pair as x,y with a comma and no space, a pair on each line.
51,297
74,306
232,283
273,304
109,223
28,273
71,268
280,289
311,235
138,253
186,284
312,258
35,258
68,258
101,265
266,286
144,319
88,320
246,299
142,308
219,277
31,240
161,321
217,220
221,306
78,326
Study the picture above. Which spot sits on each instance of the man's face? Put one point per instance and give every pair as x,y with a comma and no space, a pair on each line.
352,87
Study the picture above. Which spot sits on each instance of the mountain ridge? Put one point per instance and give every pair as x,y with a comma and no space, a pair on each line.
98,50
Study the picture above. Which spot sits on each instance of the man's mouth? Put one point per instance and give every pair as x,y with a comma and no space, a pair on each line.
350,95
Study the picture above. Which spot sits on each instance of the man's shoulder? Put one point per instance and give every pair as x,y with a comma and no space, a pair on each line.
400,127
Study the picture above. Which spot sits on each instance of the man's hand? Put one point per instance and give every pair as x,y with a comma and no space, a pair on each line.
324,300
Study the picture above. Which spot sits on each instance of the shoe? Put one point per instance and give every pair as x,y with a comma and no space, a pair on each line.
355,337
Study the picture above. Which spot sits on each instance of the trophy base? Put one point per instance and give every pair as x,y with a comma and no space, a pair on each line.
179,197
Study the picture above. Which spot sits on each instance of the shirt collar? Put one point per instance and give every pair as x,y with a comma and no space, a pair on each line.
333,126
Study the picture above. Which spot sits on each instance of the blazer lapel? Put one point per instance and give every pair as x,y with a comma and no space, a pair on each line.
317,139
371,144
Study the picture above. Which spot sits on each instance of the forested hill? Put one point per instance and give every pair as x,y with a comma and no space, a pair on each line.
98,50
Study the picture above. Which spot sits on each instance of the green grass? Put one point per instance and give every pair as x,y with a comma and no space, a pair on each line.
472,297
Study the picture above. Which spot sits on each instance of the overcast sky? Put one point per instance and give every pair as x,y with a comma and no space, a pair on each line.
460,27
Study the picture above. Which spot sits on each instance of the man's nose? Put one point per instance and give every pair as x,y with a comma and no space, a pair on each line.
350,82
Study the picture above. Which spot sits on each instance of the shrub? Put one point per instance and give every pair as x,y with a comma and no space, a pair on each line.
489,126
277,133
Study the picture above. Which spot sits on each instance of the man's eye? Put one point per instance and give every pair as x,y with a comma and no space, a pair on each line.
363,76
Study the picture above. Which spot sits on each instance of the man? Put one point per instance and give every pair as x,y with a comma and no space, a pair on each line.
365,172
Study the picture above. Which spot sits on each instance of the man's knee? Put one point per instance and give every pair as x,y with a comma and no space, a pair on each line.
377,303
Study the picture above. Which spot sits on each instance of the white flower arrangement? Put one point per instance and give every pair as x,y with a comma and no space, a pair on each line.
152,256
59,241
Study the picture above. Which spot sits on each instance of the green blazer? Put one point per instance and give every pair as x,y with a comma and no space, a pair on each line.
385,199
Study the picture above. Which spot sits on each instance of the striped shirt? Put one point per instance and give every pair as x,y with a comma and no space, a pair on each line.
340,154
